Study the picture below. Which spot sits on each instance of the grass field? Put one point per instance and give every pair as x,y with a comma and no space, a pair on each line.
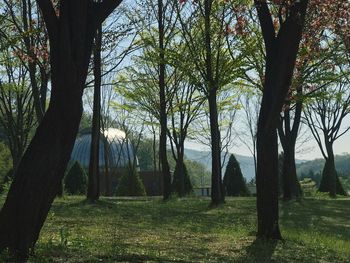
186,230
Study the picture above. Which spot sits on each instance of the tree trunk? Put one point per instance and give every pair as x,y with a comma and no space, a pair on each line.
291,186
217,191
108,185
42,167
281,54
163,112
267,175
40,172
179,176
330,181
93,192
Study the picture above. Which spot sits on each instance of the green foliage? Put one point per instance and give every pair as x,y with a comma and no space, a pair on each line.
316,177
176,182
130,184
5,163
85,122
345,181
198,174
75,181
145,155
234,182
308,187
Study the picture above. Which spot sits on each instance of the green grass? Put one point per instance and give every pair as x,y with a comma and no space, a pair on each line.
186,230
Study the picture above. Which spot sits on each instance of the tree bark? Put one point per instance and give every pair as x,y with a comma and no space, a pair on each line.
42,167
163,112
281,53
217,191
291,186
288,136
93,192
108,185
179,176
267,175
39,173
330,181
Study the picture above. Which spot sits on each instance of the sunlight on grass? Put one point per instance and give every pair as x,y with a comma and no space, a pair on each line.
186,230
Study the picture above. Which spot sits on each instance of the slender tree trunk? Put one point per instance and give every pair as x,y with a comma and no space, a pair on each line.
93,192
179,176
32,65
154,154
291,186
163,113
108,185
217,191
181,161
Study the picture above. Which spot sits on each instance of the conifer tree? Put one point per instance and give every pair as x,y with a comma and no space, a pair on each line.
234,183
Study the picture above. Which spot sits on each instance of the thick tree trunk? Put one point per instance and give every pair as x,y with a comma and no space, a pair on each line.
267,175
40,172
42,167
281,54
291,185
93,192
179,176
217,191
330,182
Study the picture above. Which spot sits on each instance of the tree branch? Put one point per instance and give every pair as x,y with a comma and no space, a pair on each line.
105,8
266,24
50,18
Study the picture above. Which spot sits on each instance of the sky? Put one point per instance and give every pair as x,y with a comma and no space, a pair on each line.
309,150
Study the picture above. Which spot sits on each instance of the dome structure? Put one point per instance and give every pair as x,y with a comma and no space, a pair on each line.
114,155
113,144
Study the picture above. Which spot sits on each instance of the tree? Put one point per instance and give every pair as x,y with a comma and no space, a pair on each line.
163,103
93,192
203,25
75,182
149,81
314,52
5,163
281,48
130,184
234,182
324,116
28,40
184,108
16,107
71,28
250,103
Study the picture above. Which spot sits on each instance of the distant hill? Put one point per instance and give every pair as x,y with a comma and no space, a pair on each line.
204,157
247,163
342,164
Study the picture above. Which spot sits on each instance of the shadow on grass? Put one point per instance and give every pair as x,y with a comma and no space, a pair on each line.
329,217
261,250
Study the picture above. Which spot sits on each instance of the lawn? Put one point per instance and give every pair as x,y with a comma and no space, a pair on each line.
186,230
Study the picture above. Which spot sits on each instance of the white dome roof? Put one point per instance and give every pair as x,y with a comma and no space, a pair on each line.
114,134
